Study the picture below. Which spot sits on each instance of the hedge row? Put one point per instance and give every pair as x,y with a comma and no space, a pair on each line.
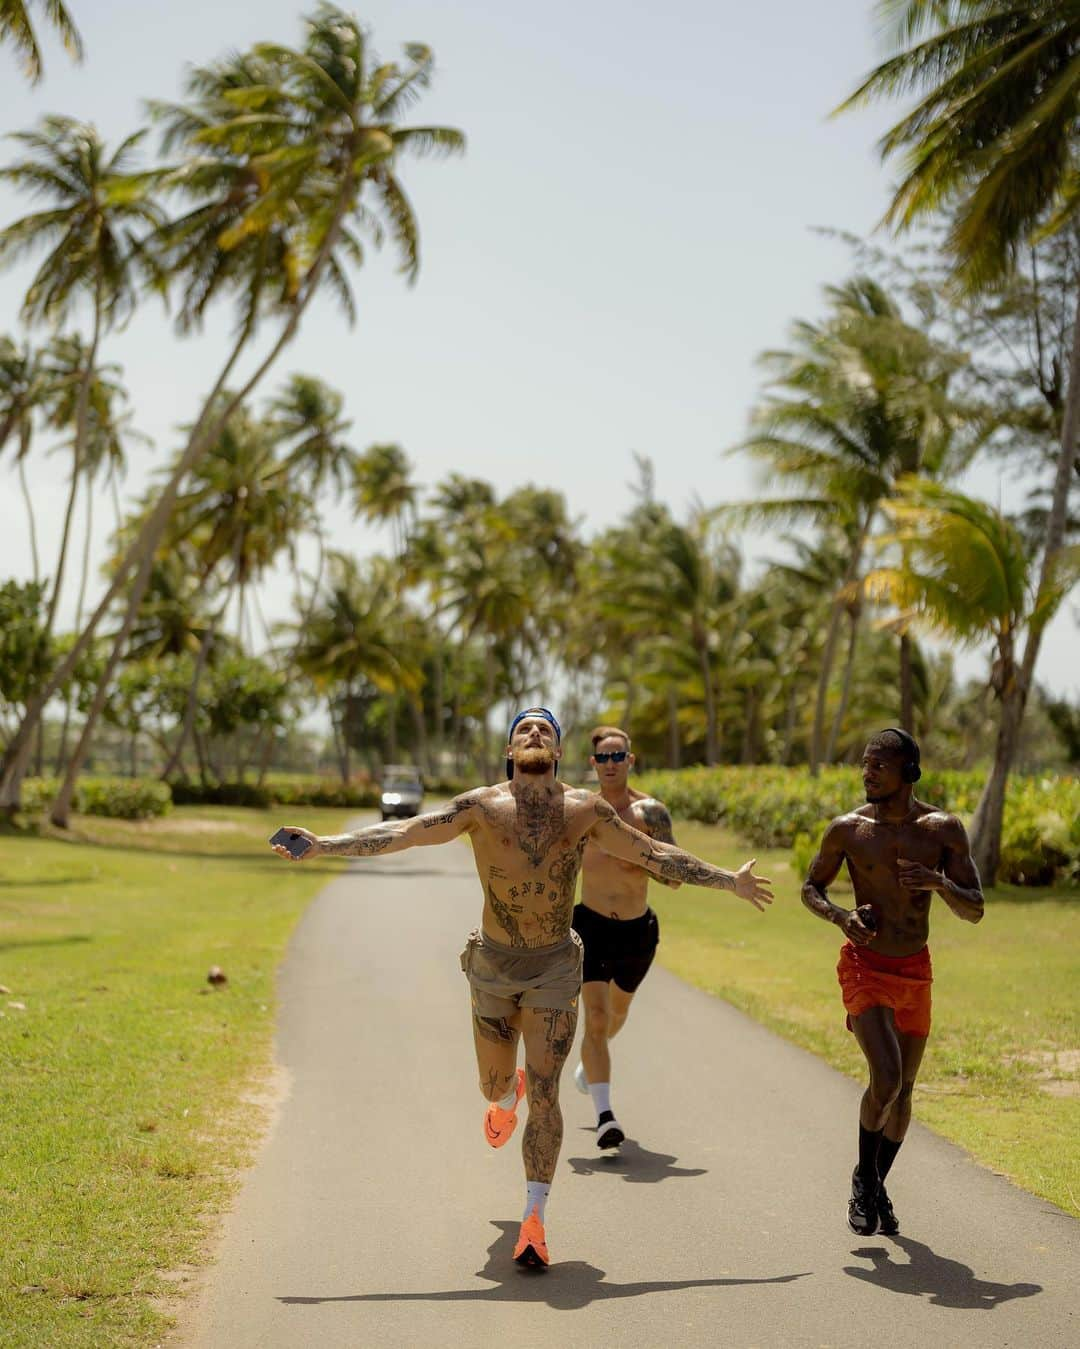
118,798
786,808
142,798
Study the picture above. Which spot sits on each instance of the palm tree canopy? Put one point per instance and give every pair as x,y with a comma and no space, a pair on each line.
857,400
284,150
17,28
964,570
992,137
22,390
101,210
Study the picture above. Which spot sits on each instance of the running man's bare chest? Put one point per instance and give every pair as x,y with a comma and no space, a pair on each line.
874,848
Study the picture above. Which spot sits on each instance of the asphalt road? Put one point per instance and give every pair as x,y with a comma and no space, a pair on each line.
377,1216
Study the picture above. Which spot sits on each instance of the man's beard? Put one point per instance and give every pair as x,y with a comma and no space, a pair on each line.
537,760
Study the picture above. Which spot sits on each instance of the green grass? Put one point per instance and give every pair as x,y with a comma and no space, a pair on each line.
1003,1052
130,1088
126,1103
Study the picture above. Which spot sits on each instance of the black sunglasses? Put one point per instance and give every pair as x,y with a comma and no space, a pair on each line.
616,756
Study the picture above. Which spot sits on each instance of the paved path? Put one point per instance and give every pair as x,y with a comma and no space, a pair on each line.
376,1215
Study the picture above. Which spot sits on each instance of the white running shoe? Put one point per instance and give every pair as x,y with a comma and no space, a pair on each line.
580,1080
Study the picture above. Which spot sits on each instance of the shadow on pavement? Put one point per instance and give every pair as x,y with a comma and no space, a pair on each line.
566,1286
945,1282
635,1164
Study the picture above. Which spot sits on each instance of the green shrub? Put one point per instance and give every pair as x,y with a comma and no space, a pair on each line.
116,798
802,853
774,807
222,794
285,789
289,789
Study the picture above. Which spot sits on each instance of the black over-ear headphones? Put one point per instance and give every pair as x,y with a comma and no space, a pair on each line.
911,771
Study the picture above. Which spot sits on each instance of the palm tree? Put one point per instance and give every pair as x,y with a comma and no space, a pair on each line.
306,419
862,398
488,597
964,572
283,149
353,636
17,28
108,434
384,491
22,391
991,144
688,583
91,234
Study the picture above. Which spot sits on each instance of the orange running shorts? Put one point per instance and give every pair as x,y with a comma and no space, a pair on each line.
900,982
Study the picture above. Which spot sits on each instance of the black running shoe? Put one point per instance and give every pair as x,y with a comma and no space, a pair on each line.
862,1210
609,1133
888,1223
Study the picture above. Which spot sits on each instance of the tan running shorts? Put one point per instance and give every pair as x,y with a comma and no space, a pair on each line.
504,978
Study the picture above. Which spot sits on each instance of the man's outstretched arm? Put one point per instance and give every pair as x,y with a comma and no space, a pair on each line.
666,862
420,831
659,827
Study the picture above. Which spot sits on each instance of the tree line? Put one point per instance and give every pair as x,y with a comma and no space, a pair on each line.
277,169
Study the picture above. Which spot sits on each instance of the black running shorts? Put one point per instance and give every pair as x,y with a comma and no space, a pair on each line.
616,949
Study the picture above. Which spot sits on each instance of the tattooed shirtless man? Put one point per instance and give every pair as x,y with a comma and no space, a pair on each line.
619,929
898,851
524,962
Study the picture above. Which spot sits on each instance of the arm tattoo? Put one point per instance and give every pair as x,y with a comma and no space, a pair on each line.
366,842
657,821
683,866
458,807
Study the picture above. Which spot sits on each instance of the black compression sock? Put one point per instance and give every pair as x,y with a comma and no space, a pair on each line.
887,1150
869,1143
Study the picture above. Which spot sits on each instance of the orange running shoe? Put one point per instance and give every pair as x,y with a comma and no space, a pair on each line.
531,1248
499,1124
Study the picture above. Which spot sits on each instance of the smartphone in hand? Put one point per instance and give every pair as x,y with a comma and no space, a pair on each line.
294,844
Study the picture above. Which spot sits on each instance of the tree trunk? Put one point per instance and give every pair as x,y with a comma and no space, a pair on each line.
749,745
989,814
845,688
61,754
265,755
490,770
204,433
439,693
82,409
391,728
907,690
701,643
24,447
789,723
416,705
828,654
674,739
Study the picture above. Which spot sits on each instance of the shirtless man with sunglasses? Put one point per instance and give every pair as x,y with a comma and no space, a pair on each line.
619,929
523,963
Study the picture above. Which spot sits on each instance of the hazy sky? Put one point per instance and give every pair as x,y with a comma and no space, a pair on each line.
632,224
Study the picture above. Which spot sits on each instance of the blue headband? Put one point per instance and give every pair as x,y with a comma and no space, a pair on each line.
546,715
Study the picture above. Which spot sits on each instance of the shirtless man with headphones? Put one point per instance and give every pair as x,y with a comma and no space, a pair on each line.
898,851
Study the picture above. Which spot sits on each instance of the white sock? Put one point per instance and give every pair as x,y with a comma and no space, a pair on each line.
510,1099
536,1197
601,1096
